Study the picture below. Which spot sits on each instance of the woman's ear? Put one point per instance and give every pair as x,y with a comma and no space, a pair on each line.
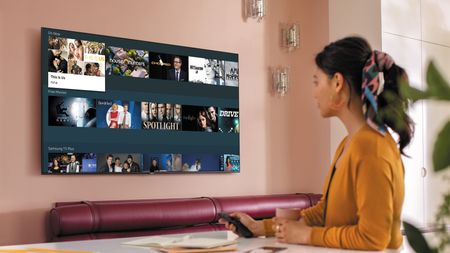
339,96
338,82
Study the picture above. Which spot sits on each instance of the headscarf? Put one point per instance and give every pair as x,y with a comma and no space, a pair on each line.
373,85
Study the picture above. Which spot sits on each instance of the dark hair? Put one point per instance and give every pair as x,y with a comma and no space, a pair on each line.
348,57
205,115
177,57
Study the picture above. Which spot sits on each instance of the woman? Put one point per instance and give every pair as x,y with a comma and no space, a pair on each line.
79,50
117,165
229,166
72,50
126,167
213,72
203,122
55,166
153,112
363,194
113,116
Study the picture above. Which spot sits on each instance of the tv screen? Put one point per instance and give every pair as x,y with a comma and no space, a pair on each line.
116,106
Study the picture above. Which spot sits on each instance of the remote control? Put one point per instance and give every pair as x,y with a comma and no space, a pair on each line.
240,228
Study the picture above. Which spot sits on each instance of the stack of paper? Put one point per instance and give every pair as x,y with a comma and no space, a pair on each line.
185,244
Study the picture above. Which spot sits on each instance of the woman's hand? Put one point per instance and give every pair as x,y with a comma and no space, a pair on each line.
257,227
291,231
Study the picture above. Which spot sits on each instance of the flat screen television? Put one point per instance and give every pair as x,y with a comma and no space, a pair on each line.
116,106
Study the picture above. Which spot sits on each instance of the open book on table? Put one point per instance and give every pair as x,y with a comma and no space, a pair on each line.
180,242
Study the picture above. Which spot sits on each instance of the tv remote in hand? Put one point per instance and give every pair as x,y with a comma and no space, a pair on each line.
240,228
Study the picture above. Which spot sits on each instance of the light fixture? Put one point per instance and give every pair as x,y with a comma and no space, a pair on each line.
255,9
280,77
291,36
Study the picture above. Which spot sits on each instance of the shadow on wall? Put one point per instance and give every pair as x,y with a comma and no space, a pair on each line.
15,223
34,84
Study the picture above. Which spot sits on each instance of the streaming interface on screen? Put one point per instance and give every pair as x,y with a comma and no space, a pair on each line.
114,106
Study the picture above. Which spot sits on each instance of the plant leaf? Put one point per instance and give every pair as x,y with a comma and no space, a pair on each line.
412,93
416,239
441,150
437,86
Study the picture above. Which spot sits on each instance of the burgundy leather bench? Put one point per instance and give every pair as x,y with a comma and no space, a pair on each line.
87,220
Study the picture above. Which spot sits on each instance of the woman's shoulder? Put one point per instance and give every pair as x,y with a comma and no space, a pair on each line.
368,141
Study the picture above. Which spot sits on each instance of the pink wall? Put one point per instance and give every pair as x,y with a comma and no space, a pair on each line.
284,143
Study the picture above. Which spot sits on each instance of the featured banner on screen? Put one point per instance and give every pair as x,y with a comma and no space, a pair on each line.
118,114
76,64
119,163
71,112
127,62
207,71
161,116
199,118
72,163
228,120
230,163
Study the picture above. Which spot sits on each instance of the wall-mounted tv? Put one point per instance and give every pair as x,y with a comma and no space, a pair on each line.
121,106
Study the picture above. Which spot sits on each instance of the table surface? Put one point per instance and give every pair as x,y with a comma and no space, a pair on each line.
115,246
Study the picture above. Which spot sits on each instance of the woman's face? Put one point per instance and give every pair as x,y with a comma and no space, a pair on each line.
209,70
72,46
202,121
323,93
153,110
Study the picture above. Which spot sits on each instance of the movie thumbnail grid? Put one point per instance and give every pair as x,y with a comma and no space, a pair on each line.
129,114
122,163
80,57
76,57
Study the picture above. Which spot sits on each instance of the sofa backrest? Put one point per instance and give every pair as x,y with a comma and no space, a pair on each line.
124,218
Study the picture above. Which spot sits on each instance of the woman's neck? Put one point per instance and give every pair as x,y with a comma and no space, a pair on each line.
353,119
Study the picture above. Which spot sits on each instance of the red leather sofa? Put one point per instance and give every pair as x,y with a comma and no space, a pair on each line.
87,220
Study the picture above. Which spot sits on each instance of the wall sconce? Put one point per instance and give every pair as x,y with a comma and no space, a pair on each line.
280,77
291,36
255,9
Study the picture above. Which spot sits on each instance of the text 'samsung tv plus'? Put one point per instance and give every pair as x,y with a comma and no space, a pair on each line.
116,106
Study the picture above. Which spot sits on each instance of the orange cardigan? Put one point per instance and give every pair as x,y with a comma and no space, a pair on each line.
365,196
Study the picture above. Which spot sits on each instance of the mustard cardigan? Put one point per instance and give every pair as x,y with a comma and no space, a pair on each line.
365,196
